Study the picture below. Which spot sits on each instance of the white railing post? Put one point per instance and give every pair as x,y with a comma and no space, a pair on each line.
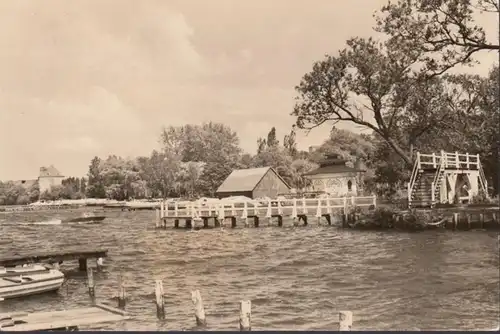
434,160
374,200
444,161
176,209
467,160
457,160
477,161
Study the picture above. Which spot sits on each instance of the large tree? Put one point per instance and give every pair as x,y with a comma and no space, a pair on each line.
444,32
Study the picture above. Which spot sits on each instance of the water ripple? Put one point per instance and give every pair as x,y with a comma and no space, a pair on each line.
298,278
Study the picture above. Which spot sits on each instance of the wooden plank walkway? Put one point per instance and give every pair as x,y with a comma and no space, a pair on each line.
65,255
66,319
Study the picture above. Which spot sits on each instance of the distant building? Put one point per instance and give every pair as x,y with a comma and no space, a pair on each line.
336,178
253,183
49,177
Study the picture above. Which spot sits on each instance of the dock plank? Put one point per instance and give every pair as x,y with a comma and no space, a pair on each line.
66,255
63,319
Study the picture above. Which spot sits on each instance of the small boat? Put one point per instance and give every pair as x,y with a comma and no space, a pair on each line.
88,219
28,280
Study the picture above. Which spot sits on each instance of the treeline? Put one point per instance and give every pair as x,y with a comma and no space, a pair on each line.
193,161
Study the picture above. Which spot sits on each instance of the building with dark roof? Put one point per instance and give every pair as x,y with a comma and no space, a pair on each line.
253,183
334,177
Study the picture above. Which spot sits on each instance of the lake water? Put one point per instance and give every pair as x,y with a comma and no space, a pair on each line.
296,278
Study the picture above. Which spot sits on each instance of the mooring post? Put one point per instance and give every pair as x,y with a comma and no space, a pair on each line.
199,310
495,217
245,315
91,283
481,219
345,320
160,305
468,221
158,218
122,297
294,212
82,264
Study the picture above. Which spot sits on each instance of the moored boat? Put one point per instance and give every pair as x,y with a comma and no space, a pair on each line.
28,280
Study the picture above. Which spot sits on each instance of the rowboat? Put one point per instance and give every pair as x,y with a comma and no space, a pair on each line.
28,280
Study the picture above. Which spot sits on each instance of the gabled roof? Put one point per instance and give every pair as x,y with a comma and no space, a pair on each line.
50,171
246,179
334,169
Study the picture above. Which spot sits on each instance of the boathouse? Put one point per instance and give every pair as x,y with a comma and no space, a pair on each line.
445,178
253,183
335,177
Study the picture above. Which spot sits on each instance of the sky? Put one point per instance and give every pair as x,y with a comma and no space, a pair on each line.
83,78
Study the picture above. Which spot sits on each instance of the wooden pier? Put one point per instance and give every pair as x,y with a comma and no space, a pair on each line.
194,213
57,257
60,320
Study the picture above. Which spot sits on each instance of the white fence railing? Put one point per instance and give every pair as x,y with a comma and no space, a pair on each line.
285,207
450,160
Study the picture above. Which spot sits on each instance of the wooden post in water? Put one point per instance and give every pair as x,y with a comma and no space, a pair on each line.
158,218
294,212
495,217
455,220
345,320
269,213
481,219
199,310
122,297
245,315
221,215
319,212
160,305
244,214
91,283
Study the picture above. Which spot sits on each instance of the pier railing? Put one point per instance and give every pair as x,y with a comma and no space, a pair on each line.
285,207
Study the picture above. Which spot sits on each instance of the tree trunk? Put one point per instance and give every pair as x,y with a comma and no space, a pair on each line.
399,151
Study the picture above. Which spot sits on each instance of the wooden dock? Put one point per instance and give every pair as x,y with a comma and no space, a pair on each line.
56,257
346,208
60,320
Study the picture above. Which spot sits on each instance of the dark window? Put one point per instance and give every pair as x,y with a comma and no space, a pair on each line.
349,185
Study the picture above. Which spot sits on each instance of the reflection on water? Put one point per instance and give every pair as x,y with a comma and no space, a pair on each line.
297,278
